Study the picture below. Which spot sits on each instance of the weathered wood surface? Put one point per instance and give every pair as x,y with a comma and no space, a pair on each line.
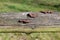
11,19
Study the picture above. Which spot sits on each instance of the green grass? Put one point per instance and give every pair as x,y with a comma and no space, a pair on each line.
14,7
31,5
32,36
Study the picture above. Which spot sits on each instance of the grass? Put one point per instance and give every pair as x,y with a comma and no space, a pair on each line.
31,5
11,7
15,7
32,36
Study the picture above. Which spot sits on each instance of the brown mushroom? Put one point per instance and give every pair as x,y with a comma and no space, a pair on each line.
49,12
24,21
32,15
44,12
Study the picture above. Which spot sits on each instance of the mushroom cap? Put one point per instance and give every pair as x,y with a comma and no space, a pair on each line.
46,12
32,15
24,21
42,11
49,12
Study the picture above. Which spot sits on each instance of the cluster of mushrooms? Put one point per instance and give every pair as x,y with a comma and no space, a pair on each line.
32,15
46,12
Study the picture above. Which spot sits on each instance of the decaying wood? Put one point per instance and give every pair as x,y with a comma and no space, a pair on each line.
11,19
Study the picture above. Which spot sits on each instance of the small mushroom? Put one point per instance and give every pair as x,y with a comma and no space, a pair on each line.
32,15
50,12
46,12
24,21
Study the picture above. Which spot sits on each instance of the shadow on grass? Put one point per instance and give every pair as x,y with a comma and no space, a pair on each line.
57,6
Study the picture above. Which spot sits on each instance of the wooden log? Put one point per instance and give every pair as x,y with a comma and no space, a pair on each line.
49,22
11,19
